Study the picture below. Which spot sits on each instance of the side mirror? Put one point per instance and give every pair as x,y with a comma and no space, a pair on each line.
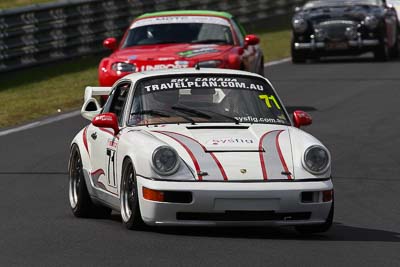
107,120
301,118
110,43
90,109
251,39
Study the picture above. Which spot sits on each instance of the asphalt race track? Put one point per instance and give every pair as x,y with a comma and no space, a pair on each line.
355,106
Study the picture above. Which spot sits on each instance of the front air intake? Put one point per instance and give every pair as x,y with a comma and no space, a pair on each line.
238,216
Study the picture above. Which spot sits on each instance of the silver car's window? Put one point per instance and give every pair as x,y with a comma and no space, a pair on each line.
205,99
327,3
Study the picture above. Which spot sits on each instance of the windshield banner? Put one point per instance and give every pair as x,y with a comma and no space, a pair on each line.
156,85
179,19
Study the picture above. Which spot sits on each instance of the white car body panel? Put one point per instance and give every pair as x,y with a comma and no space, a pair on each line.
236,177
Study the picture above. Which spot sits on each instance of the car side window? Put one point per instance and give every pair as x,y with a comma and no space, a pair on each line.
240,33
117,100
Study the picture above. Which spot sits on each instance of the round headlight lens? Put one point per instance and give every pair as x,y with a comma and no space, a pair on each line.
371,22
299,25
316,159
165,160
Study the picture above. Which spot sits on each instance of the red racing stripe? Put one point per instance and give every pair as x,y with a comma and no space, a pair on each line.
97,172
107,131
195,162
219,166
261,149
85,143
281,156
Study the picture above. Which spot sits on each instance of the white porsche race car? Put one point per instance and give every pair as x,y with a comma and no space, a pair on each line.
199,147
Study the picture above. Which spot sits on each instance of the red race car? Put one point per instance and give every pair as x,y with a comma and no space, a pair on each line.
180,39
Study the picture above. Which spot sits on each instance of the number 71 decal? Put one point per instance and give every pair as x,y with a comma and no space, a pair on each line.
269,100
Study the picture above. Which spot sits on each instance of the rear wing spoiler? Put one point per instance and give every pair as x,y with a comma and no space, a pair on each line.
91,107
91,91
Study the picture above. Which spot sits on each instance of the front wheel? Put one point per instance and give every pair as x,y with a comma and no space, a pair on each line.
79,199
318,228
260,69
382,52
395,51
130,211
298,56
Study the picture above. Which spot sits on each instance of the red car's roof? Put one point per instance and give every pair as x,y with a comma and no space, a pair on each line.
187,13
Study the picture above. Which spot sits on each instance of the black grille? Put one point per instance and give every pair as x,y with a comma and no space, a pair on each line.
243,216
335,30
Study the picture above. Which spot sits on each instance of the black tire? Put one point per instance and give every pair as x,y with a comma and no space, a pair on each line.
318,228
382,52
395,51
260,69
298,57
130,210
79,199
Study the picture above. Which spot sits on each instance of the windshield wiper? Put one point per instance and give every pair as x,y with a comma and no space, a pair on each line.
191,111
162,113
209,41
168,42
151,112
222,115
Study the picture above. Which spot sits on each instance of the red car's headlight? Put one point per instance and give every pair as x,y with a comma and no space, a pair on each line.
123,67
210,64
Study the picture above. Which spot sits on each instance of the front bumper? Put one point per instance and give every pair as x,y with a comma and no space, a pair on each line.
236,204
353,44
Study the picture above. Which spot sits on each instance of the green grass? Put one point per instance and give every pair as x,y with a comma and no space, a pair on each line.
30,94
276,45
33,93
18,3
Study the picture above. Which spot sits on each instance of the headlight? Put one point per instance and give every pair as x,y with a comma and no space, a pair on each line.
316,160
371,22
320,34
123,67
165,160
209,64
351,33
300,25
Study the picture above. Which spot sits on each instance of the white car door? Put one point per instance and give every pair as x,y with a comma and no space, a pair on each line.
103,143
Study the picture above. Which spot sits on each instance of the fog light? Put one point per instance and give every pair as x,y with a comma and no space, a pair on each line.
351,33
327,196
153,195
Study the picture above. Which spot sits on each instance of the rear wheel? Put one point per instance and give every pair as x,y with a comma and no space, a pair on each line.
130,211
79,199
318,228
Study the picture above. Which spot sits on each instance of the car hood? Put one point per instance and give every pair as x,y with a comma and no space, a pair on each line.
345,12
167,54
232,152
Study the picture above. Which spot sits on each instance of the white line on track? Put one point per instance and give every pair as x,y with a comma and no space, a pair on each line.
40,123
277,62
77,112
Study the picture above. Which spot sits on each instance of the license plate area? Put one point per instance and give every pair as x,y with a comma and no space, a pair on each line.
223,204
337,46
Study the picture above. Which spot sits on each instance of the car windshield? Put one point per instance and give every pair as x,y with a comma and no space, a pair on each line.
179,29
205,99
328,3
